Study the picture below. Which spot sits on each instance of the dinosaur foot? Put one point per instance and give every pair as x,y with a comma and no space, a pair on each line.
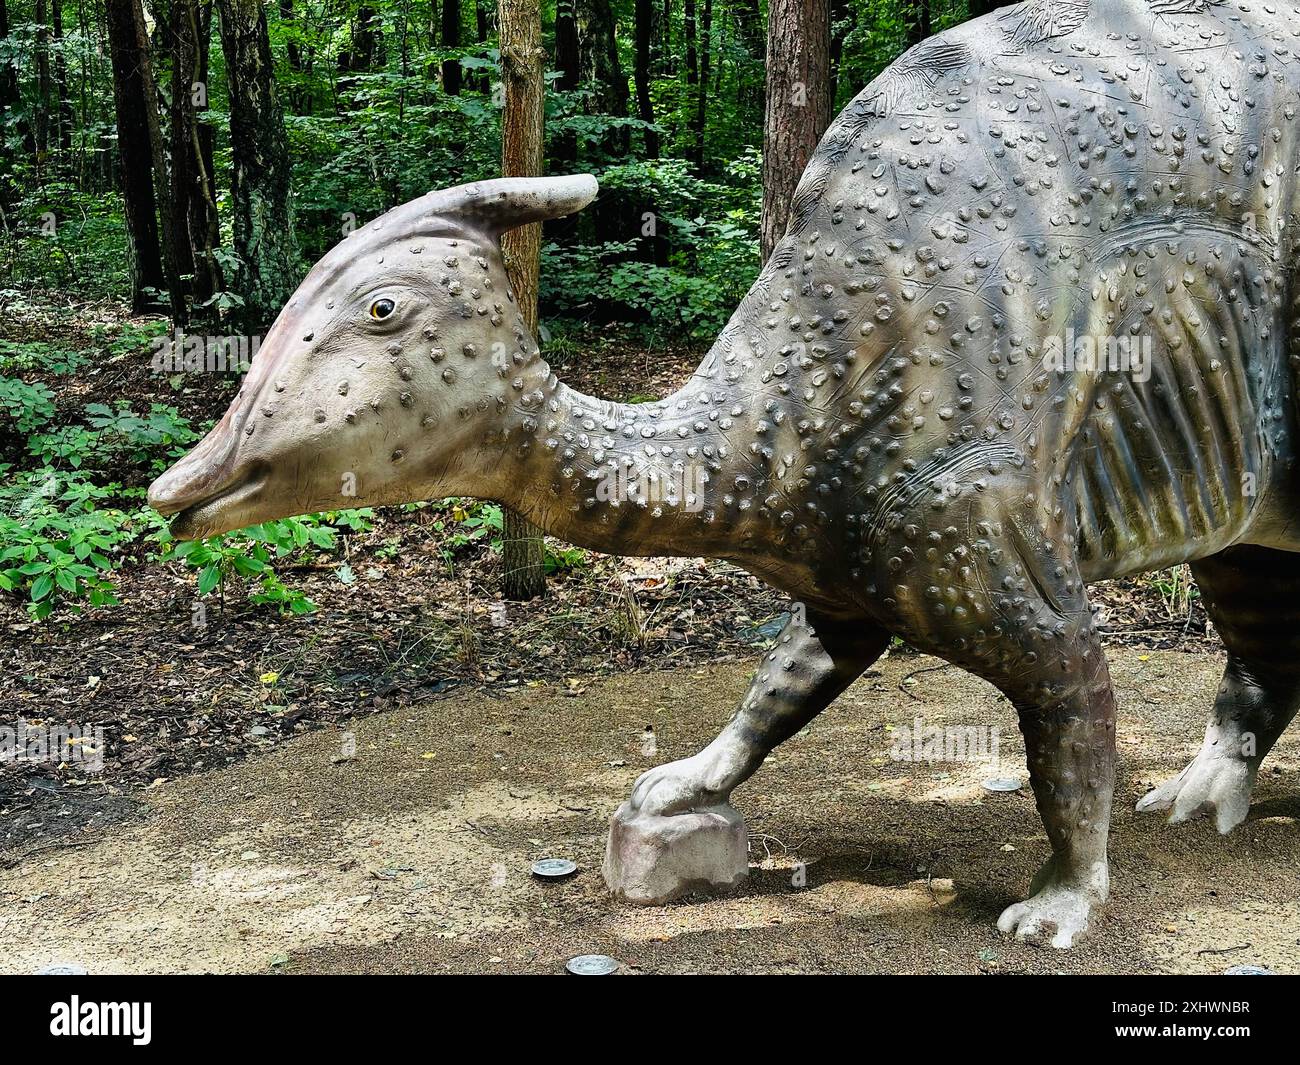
1213,784
1059,908
653,858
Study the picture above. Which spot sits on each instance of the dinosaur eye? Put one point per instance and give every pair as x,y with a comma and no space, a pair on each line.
381,309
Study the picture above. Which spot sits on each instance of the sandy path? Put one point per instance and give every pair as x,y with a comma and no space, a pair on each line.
414,855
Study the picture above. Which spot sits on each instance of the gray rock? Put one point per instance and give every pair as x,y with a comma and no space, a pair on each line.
651,859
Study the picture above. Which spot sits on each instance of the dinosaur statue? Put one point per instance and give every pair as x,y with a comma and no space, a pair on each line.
1030,327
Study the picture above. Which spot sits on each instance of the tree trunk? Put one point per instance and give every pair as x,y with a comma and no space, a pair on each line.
171,240
568,63
61,78
976,8
208,139
451,39
44,86
611,95
798,105
919,28
132,98
641,74
484,31
260,182
192,199
702,96
8,103
523,573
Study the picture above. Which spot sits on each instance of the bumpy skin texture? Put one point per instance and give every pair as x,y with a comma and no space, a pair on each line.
879,431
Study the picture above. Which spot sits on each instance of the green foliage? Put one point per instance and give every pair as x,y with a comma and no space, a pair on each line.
127,339
471,520
249,554
155,437
113,435
69,238
56,546
710,231
35,355
474,521
28,406
563,559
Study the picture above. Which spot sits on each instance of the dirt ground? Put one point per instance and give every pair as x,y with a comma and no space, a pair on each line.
414,855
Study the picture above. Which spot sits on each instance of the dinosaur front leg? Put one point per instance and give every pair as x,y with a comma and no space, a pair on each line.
992,587
1070,749
677,832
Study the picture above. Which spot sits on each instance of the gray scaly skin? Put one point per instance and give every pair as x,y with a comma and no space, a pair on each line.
878,432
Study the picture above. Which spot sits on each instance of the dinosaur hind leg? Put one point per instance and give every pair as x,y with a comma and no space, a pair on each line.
1252,595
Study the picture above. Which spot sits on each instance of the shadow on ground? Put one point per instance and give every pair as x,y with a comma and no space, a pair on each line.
413,855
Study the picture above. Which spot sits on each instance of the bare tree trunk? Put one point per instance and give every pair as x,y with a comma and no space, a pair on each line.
919,28
702,97
641,74
192,200
569,64
611,96
522,555
451,39
132,98
798,104
61,77
260,187
44,86
171,240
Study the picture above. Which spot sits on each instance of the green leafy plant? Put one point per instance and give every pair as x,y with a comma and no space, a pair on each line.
154,437
250,554
29,406
56,546
38,355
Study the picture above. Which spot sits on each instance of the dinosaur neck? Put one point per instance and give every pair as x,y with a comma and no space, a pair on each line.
624,478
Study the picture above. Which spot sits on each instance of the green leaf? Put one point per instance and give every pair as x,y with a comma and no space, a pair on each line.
209,579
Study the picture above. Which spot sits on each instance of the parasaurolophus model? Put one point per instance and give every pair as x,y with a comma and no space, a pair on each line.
1033,324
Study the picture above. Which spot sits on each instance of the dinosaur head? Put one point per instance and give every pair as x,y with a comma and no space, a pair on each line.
387,376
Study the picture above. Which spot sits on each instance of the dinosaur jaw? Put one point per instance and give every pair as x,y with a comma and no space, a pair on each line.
233,507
